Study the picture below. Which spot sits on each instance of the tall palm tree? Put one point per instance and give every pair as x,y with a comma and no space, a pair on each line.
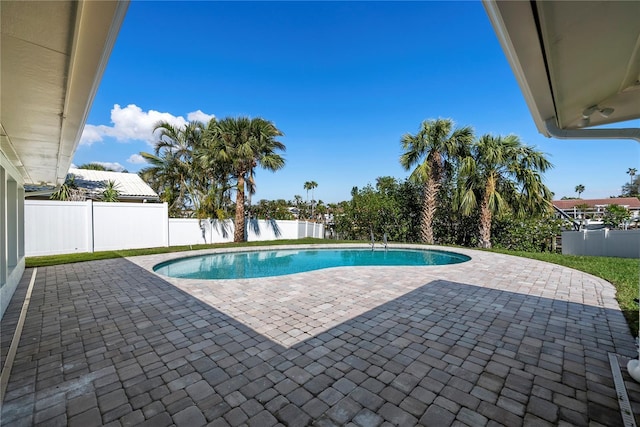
434,149
310,185
173,172
502,174
163,176
579,189
632,173
307,187
243,144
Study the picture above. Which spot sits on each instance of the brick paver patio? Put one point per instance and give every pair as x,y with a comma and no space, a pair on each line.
497,340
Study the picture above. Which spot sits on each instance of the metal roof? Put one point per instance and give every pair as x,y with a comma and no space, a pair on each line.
129,185
573,58
628,202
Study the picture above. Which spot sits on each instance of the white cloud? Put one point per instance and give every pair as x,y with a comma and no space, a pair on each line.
90,134
132,123
136,159
113,166
200,116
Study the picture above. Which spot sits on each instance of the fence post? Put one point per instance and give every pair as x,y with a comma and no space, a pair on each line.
165,232
90,226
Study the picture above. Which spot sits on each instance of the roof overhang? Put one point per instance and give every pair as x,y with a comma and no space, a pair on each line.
572,59
53,56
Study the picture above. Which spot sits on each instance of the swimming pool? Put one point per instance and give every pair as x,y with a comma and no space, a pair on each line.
265,263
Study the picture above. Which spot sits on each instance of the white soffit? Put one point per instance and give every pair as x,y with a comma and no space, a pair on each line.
53,57
570,55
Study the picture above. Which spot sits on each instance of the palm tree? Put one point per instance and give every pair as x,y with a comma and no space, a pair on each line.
173,172
163,175
95,167
632,173
501,175
322,211
111,192
297,201
310,185
434,149
243,144
579,189
307,187
69,191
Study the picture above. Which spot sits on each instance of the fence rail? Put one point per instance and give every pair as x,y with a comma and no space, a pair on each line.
54,227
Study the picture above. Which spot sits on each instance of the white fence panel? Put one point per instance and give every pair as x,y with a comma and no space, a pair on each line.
187,231
222,231
623,243
260,230
318,230
604,242
302,230
53,227
129,226
190,231
288,229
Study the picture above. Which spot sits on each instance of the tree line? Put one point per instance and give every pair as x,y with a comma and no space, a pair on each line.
456,181
392,207
474,178
463,190
196,168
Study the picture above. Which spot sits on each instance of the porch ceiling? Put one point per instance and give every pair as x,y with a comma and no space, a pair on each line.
52,60
571,55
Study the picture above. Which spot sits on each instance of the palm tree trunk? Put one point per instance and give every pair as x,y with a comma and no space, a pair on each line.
238,234
485,223
428,211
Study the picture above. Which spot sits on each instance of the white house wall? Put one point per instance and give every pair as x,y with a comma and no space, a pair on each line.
12,244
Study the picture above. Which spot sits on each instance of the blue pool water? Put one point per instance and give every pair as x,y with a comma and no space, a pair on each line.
246,265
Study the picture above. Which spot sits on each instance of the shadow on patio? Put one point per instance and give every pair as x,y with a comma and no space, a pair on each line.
107,342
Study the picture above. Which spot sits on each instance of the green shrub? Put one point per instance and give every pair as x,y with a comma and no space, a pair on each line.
530,234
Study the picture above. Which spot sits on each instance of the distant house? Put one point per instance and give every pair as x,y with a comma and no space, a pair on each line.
594,208
130,186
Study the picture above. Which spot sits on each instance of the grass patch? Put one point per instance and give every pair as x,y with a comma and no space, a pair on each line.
623,273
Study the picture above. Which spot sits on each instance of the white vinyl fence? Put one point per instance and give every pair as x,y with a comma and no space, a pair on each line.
53,227
603,242
187,231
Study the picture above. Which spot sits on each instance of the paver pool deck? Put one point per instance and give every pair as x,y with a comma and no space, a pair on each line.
497,340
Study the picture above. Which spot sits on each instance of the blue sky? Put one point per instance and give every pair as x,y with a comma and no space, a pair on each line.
343,80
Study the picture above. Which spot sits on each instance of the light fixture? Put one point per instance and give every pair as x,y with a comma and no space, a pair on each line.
589,111
586,114
605,112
